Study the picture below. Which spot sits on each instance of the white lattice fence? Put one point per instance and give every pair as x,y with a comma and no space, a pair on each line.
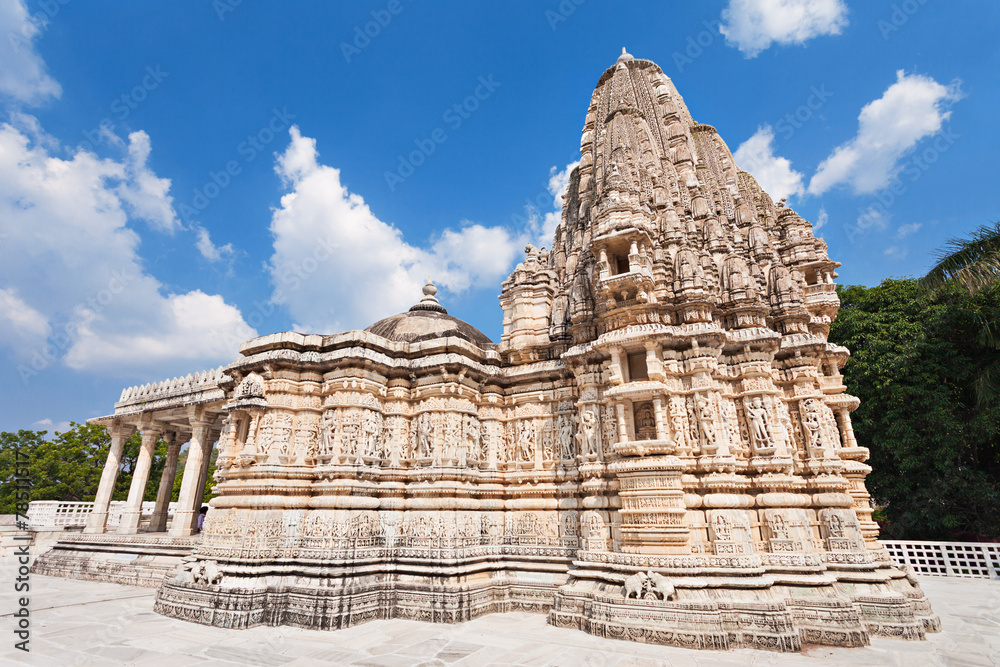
54,513
977,560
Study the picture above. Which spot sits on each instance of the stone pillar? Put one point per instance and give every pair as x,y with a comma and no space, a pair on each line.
158,522
188,503
622,424
846,428
203,477
661,428
98,519
133,506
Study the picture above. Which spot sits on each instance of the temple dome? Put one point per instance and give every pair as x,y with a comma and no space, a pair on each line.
427,320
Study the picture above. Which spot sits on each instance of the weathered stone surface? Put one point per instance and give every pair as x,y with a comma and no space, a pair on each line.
659,448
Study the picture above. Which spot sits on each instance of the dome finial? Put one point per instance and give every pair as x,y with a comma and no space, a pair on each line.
625,56
429,289
429,302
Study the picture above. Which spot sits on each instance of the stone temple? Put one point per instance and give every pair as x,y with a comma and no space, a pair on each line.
658,449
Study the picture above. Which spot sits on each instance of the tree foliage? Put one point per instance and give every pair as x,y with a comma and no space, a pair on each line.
916,357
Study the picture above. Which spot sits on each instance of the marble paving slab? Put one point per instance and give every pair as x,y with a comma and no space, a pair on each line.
93,623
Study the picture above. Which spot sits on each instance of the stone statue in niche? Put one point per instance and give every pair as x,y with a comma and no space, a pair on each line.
306,439
693,434
586,435
526,441
450,440
812,425
786,422
565,437
645,422
328,433
609,425
371,429
706,424
779,530
471,449
761,434
723,529
486,436
548,445
265,433
425,436
282,433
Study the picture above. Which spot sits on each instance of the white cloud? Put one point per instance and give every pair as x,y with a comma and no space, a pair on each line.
773,173
896,252
145,194
21,326
22,71
872,218
906,230
753,25
60,427
558,183
77,269
821,219
912,108
191,326
209,250
337,266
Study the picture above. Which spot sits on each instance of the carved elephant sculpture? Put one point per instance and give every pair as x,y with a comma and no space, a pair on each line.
635,585
660,586
207,573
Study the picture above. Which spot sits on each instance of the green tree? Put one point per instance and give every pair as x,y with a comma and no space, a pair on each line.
973,264
69,465
915,360
15,447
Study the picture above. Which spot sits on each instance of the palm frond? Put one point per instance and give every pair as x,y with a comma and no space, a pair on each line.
987,385
973,263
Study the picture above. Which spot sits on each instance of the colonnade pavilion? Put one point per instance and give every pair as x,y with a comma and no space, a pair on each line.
658,449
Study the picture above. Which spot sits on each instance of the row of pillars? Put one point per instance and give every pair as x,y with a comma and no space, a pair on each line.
193,482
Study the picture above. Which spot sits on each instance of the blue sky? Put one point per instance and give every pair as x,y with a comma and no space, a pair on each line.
178,176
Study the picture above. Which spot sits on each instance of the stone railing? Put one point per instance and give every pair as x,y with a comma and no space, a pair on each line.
55,513
976,560
203,385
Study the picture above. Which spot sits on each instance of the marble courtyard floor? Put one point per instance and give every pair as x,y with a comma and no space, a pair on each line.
88,623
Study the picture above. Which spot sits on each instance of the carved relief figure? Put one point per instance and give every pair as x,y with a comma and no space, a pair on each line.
425,435
450,442
760,426
525,441
371,430
723,529
645,422
265,433
306,436
472,439
778,528
565,437
327,436
282,433
836,525
706,424
812,425
586,435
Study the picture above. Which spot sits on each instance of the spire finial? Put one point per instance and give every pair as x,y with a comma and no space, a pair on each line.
430,289
429,302
625,55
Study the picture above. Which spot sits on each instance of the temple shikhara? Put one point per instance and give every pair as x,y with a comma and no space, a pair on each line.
659,448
